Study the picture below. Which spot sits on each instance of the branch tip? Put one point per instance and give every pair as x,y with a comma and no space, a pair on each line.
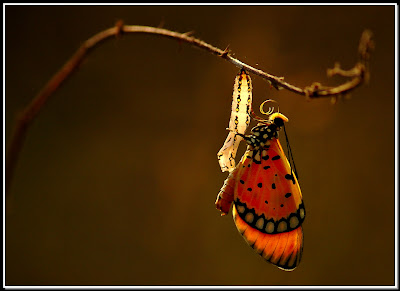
226,52
189,33
277,83
366,46
161,24
119,25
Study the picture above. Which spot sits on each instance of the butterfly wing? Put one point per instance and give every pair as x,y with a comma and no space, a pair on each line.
268,208
226,194
283,249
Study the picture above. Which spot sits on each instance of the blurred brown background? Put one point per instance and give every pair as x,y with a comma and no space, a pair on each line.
118,176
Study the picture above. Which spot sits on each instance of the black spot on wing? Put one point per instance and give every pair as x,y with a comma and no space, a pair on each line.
259,185
265,157
290,177
241,181
287,195
273,186
277,157
249,189
266,167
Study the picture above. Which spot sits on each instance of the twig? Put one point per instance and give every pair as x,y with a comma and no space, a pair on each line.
26,117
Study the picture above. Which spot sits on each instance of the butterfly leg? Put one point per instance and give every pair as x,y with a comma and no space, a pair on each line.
249,139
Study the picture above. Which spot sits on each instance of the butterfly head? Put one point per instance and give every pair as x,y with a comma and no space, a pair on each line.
266,129
278,119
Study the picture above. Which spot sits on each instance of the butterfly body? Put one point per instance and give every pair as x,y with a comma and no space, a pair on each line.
267,202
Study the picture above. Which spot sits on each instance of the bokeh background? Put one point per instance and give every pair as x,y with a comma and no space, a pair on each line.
117,180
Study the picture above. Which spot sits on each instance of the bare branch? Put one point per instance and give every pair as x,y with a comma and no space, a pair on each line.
26,117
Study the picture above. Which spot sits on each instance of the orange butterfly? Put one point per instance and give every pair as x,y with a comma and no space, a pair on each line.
268,209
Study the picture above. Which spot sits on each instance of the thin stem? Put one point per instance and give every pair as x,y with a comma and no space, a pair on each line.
26,117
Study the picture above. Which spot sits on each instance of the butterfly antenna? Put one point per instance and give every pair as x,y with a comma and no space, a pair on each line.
270,109
290,154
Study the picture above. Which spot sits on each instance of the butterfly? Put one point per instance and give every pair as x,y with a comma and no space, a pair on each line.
268,208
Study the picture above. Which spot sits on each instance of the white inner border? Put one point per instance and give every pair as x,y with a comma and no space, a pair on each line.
208,287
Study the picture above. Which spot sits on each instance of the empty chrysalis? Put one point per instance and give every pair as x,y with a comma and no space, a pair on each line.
238,122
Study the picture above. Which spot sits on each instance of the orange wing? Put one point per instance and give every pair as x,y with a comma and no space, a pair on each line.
268,208
283,249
